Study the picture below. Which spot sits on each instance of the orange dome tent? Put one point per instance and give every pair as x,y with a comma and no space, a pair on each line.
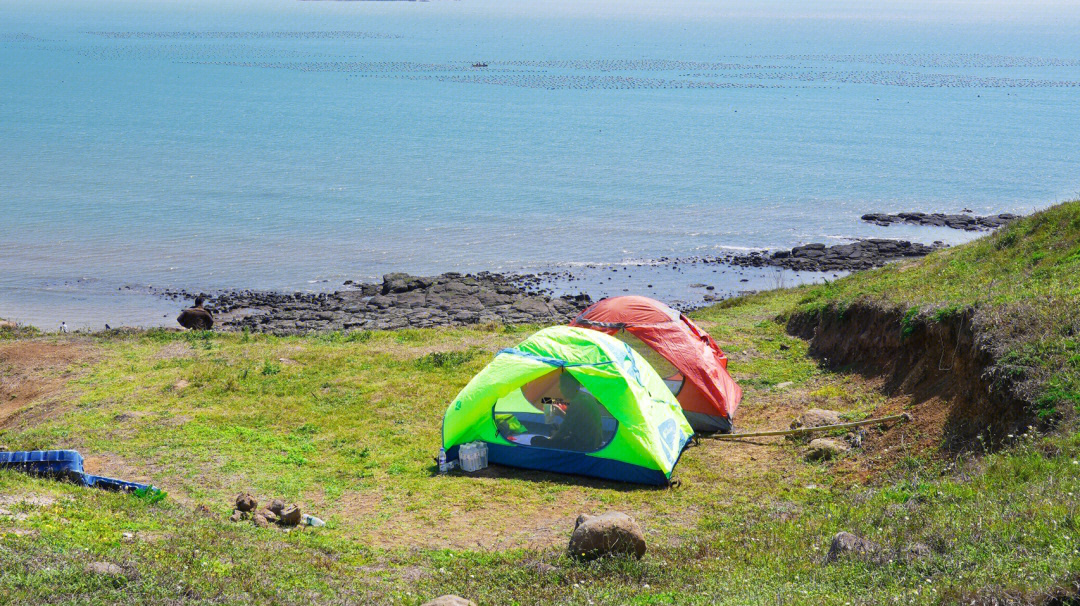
686,357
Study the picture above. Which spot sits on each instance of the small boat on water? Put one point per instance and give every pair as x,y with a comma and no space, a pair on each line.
479,64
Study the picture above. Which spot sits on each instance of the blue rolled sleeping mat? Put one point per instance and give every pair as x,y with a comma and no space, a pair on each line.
62,464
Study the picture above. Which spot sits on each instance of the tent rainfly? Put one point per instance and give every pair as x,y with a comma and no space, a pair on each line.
688,359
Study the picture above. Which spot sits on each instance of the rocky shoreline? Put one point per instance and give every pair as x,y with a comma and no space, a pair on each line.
964,221
454,299
400,301
864,254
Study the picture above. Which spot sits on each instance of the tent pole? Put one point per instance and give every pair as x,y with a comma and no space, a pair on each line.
791,432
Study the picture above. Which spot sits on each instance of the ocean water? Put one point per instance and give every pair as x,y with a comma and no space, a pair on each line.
280,144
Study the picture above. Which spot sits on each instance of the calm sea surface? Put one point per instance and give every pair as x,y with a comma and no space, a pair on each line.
293,145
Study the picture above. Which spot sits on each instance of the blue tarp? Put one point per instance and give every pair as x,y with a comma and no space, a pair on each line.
64,464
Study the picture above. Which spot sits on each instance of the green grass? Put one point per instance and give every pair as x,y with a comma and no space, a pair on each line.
1007,524
8,332
1036,257
347,425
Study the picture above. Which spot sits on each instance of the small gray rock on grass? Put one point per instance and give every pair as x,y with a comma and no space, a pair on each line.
823,449
611,533
449,600
845,544
105,568
816,417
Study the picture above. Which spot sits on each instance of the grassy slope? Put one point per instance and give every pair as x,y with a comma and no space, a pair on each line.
346,425
1034,257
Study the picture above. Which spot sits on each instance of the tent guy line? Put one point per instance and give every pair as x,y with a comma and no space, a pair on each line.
801,430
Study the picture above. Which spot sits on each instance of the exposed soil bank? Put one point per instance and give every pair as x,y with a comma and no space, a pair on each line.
939,362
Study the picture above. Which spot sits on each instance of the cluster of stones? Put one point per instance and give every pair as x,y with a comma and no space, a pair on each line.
825,448
247,507
400,301
864,254
967,222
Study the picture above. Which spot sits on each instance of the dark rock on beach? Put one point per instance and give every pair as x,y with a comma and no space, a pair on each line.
964,221
863,254
400,301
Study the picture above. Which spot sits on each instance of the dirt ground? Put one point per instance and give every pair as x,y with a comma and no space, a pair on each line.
37,372
734,468
35,381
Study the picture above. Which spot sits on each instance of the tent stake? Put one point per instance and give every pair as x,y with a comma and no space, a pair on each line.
791,432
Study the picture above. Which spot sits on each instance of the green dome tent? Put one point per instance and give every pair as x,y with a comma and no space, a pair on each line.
571,400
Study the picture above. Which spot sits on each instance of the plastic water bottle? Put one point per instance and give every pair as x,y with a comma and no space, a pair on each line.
311,520
444,465
466,454
473,456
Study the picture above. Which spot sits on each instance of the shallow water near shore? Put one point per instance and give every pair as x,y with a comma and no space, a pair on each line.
295,145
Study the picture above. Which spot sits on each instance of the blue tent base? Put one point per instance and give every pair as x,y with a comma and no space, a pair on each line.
63,464
565,461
